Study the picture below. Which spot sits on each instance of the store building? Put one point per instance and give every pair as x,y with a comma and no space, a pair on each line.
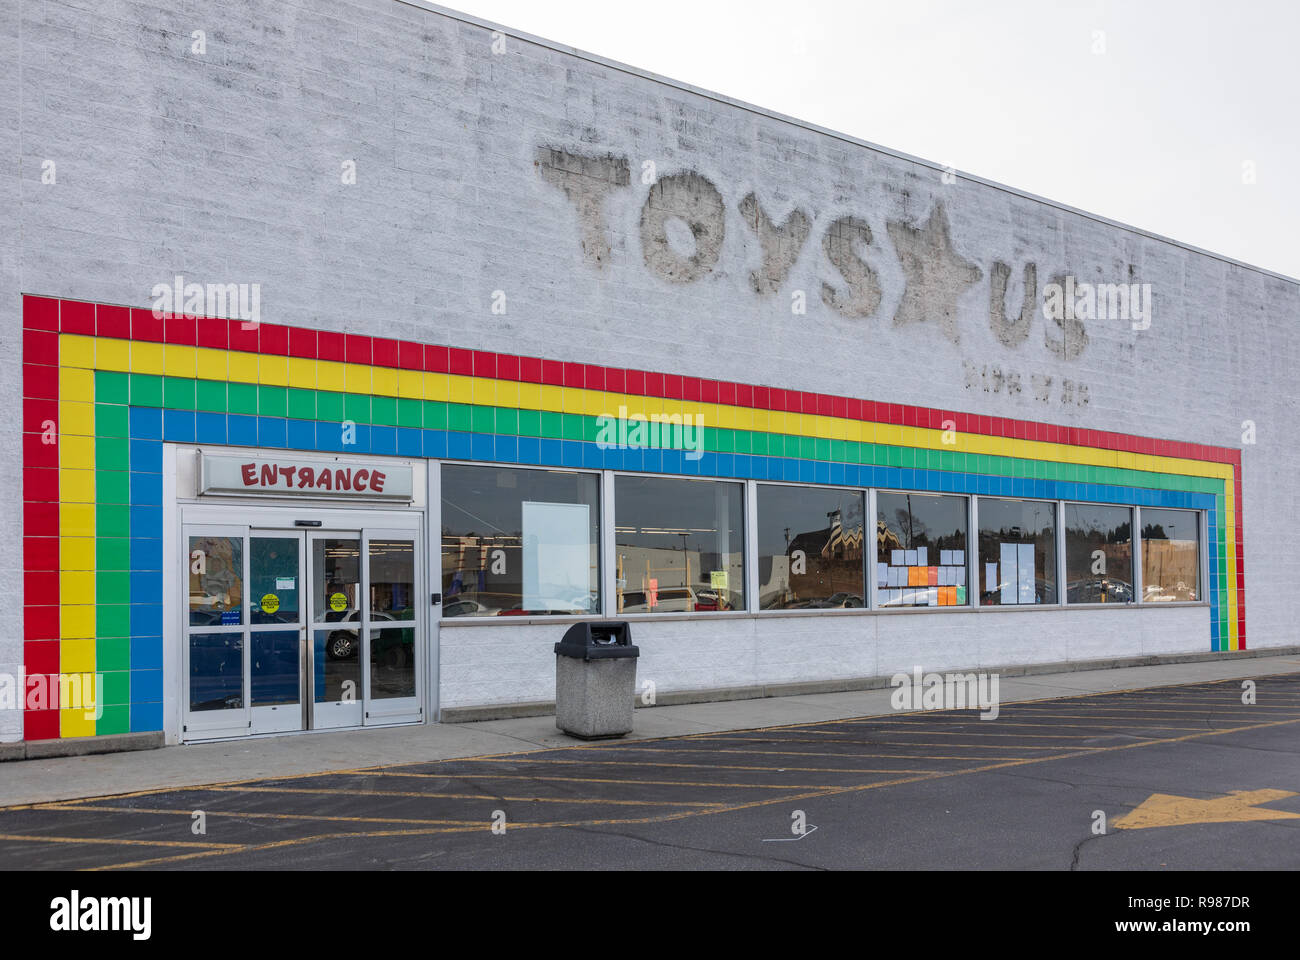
372,345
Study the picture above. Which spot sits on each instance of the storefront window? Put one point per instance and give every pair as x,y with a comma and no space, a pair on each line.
519,542
920,550
1098,554
1171,553
1017,561
810,548
679,545
392,600
216,574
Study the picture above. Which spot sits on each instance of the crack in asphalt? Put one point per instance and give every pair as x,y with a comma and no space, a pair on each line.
695,849
1078,849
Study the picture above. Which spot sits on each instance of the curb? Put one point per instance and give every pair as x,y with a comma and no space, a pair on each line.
80,746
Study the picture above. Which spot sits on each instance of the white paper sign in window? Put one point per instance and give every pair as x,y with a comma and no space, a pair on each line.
557,556
1010,570
1028,592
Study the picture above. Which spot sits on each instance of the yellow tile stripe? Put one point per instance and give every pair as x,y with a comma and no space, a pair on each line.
76,530
242,367
83,353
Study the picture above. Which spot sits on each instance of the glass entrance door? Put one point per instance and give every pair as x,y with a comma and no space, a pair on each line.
287,631
277,636
336,636
393,663
215,630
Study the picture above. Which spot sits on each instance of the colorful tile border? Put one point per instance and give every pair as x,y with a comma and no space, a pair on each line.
105,386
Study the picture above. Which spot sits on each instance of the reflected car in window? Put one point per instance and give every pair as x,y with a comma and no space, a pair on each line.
667,600
709,599
680,600
1100,590
466,608
345,644
556,606
1180,592
842,600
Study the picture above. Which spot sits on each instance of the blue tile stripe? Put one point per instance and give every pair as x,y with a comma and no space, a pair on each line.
149,427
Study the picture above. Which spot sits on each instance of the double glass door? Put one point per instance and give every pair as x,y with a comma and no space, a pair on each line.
289,630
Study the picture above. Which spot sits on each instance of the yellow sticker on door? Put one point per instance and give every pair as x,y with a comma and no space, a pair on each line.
270,603
338,603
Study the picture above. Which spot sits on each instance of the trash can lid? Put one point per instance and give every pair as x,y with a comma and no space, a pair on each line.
610,640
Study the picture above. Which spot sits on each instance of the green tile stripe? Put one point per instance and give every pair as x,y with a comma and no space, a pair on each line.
112,565
1225,613
116,389
255,400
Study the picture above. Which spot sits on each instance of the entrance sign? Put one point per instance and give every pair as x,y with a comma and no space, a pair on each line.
333,479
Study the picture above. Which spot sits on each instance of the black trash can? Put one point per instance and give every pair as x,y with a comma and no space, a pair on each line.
595,680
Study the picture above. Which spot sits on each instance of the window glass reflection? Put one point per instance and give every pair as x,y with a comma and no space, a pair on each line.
1017,561
273,576
216,575
1098,553
1171,555
810,548
216,671
392,663
336,574
519,542
274,667
337,665
920,550
392,580
679,545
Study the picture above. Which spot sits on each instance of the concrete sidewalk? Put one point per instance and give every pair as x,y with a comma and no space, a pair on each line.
66,778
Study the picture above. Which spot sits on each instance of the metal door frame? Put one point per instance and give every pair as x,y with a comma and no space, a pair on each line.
306,521
234,721
301,629
405,709
363,601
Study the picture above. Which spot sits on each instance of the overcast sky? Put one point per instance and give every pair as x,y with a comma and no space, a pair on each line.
1153,130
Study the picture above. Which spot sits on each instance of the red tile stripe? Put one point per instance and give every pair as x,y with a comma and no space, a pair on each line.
111,321
45,317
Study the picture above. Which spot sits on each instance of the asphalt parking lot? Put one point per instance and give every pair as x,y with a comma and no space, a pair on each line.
1185,777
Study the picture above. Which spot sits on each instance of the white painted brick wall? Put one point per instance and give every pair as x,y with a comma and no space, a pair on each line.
484,664
226,168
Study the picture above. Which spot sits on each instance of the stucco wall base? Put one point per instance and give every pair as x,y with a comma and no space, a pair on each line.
506,711
488,663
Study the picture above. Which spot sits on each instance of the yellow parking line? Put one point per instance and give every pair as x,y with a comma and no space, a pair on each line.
1194,710
813,793
910,743
926,732
460,796
117,842
771,769
1103,712
633,783
842,756
1082,726
1231,703
789,727
233,814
